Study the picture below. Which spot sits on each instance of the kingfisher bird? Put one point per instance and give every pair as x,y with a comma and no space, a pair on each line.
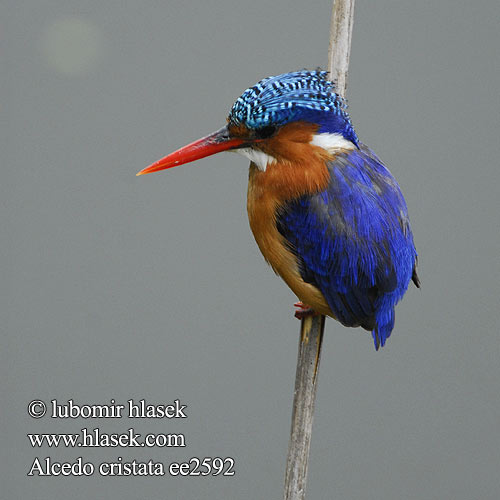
327,215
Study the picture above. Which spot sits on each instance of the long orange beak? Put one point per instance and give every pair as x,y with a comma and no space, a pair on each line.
206,146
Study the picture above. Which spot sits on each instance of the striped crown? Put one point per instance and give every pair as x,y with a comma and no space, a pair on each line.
301,95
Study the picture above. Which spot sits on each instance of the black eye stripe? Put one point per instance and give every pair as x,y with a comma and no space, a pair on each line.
265,132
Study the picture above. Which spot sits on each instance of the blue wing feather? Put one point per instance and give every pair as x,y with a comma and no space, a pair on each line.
353,241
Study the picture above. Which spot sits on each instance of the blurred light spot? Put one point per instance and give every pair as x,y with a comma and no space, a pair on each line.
72,46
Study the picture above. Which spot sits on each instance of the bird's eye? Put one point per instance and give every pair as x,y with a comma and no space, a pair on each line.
265,132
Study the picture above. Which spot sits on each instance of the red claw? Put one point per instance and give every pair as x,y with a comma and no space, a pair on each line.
303,310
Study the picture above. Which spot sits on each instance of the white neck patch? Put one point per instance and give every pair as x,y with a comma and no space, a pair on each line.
327,141
261,159
331,142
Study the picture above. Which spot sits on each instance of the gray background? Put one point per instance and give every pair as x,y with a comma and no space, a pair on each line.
121,287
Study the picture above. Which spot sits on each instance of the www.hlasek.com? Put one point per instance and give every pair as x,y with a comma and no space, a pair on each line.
96,439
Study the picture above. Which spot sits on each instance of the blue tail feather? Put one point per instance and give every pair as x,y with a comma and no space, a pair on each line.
384,326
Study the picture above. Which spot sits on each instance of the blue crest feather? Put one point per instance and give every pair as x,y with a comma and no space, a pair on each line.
301,95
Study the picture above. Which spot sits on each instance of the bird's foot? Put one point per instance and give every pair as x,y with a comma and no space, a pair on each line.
303,310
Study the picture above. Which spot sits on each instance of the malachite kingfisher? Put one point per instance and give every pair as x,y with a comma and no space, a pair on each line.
327,215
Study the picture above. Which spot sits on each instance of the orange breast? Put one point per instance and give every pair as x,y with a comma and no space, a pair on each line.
268,190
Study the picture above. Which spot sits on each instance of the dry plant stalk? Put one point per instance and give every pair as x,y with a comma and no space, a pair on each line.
312,327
